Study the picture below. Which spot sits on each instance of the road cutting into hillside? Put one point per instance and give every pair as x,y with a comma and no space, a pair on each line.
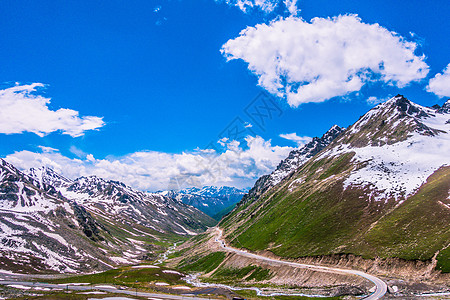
380,285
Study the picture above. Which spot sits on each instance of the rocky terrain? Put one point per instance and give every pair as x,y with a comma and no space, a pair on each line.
295,159
49,223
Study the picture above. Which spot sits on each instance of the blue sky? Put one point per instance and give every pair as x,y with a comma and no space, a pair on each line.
149,80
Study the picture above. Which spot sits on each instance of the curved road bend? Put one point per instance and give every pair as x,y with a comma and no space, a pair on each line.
381,286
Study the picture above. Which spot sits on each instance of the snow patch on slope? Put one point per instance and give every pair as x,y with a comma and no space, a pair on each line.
398,170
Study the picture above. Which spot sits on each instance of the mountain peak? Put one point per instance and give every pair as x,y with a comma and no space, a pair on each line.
390,122
445,109
48,176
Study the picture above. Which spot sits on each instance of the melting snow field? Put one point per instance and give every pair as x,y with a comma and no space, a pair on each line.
21,287
171,272
145,267
400,169
105,287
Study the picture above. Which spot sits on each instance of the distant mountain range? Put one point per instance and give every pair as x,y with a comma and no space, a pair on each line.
49,223
380,188
213,201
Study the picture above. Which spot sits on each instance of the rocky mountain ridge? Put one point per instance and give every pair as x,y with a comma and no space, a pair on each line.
211,200
115,200
295,159
49,223
41,230
379,189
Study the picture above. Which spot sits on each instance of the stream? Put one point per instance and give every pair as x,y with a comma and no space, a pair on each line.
165,255
193,280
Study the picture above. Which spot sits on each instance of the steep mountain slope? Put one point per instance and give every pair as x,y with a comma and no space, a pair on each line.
42,231
295,159
84,225
381,188
210,199
112,200
45,175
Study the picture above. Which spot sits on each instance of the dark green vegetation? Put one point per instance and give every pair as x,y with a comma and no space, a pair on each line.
218,216
310,214
443,260
418,228
256,273
203,264
207,263
126,276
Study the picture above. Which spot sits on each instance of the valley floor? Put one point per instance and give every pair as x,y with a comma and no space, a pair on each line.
220,263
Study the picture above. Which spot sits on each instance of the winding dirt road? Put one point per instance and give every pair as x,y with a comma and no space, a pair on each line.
381,286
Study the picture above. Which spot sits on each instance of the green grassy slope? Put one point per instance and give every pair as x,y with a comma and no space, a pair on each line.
311,214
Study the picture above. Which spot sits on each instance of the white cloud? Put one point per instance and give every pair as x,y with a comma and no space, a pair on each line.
300,140
267,6
77,151
327,57
291,6
440,84
47,149
372,100
22,111
244,5
150,170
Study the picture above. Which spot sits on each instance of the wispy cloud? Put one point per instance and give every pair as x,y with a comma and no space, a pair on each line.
327,57
46,149
299,140
291,6
266,6
151,170
440,83
24,111
372,100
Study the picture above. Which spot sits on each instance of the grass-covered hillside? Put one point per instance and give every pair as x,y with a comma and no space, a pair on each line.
373,199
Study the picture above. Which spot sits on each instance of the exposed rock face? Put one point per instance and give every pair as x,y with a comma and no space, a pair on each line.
42,231
295,159
115,200
49,223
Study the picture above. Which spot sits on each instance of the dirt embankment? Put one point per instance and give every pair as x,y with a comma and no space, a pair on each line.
391,267
281,274
414,272
300,277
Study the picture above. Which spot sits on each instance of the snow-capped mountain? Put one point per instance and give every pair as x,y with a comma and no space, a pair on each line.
113,201
381,188
397,146
295,159
48,176
42,231
211,200
49,223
